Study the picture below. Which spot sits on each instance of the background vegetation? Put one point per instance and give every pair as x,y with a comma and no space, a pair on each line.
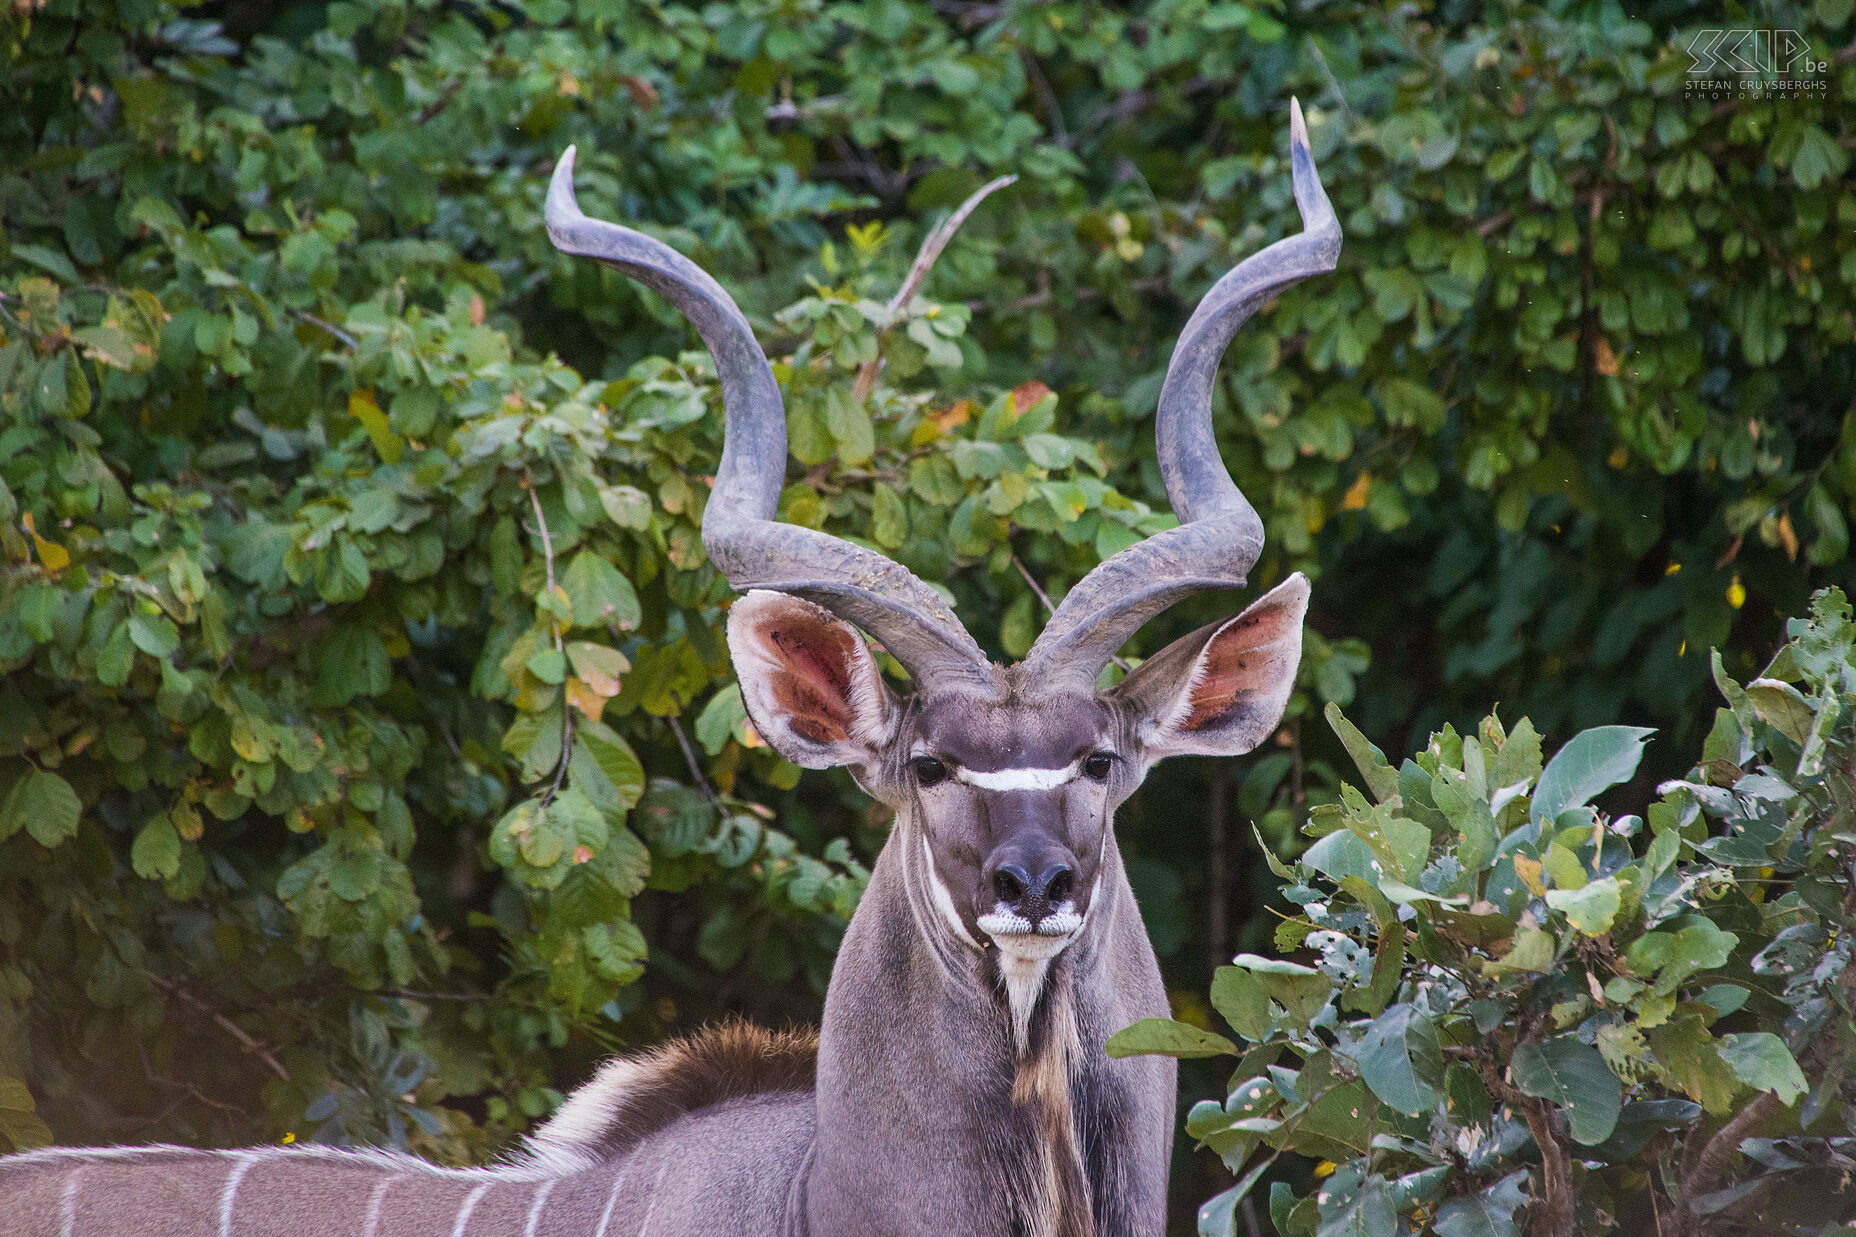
366,741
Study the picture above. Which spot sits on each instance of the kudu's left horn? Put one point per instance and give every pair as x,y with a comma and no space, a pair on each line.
739,531
1219,535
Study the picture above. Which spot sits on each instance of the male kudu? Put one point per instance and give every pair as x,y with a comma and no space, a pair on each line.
958,1083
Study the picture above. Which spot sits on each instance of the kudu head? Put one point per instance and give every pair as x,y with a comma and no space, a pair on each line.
1004,778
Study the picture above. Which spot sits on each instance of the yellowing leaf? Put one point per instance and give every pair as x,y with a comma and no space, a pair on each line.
586,698
1529,872
599,668
1355,497
363,408
54,556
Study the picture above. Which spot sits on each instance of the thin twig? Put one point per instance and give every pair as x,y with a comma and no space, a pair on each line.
330,327
788,110
1047,98
1333,82
221,1021
932,246
689,756
567,707
1038,590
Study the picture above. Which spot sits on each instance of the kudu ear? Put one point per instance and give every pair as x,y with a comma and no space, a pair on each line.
1222,689
810,685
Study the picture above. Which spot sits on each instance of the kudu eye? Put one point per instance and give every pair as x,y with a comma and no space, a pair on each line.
1097,767
928,771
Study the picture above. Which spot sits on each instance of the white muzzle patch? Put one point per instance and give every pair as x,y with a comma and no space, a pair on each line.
1024,955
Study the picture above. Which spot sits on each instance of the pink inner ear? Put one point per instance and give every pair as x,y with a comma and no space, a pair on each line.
815,690
1237,661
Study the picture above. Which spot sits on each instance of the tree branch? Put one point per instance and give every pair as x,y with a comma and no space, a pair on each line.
219,1020
567,706
932,246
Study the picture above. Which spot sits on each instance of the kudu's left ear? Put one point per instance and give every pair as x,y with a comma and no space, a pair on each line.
810,685
1222,689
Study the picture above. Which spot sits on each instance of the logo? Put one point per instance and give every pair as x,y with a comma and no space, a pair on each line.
1771,63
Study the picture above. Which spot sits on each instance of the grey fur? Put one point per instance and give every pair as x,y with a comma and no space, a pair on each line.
960,1083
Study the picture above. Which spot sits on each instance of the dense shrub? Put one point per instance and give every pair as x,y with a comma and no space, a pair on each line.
364,705
1633,1021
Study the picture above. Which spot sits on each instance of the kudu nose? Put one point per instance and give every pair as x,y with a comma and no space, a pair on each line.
1034,897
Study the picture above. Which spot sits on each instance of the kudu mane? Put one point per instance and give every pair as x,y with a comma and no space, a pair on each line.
632,1098
956,1084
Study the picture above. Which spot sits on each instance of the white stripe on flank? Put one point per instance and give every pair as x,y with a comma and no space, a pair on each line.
534,1212
470,1205
374,1201
1018,779
612,1199
230,1191
67,1205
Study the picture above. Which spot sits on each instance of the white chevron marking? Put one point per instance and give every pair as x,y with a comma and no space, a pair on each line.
1018,779
374,1202
230,1191
534,1212
470,1205
612,1200
67,1205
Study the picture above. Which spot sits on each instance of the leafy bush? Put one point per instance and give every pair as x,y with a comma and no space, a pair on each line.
306,723
1519,1000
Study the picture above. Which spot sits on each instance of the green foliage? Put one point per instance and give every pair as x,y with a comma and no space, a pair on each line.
1665,1006
357,635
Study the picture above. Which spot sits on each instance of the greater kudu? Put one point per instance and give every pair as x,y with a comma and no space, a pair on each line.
958,1083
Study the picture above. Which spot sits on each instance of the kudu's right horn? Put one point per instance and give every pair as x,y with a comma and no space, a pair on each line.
1219,535
739,531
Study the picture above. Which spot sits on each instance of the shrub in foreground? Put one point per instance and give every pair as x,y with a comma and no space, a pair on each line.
1517,999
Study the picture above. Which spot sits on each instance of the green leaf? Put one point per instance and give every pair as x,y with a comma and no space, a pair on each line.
1468,813
1574,1076
1381,779
719,718
548,665
1018,628
154,634
1591,909
44,804
850,427
156,852
1371,1212
1761,1060
116,658
1592,761
1532,952
1489,1213
19,1118
1783,707
889,518
1401,1061
600,595
1818,158
352,662
1165,1037
1240,998
1301,991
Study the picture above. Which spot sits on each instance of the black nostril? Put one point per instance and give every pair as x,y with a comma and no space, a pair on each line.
1009,883
1058,881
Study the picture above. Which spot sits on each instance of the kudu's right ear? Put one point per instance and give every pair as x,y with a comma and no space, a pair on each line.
1222,689
809,683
